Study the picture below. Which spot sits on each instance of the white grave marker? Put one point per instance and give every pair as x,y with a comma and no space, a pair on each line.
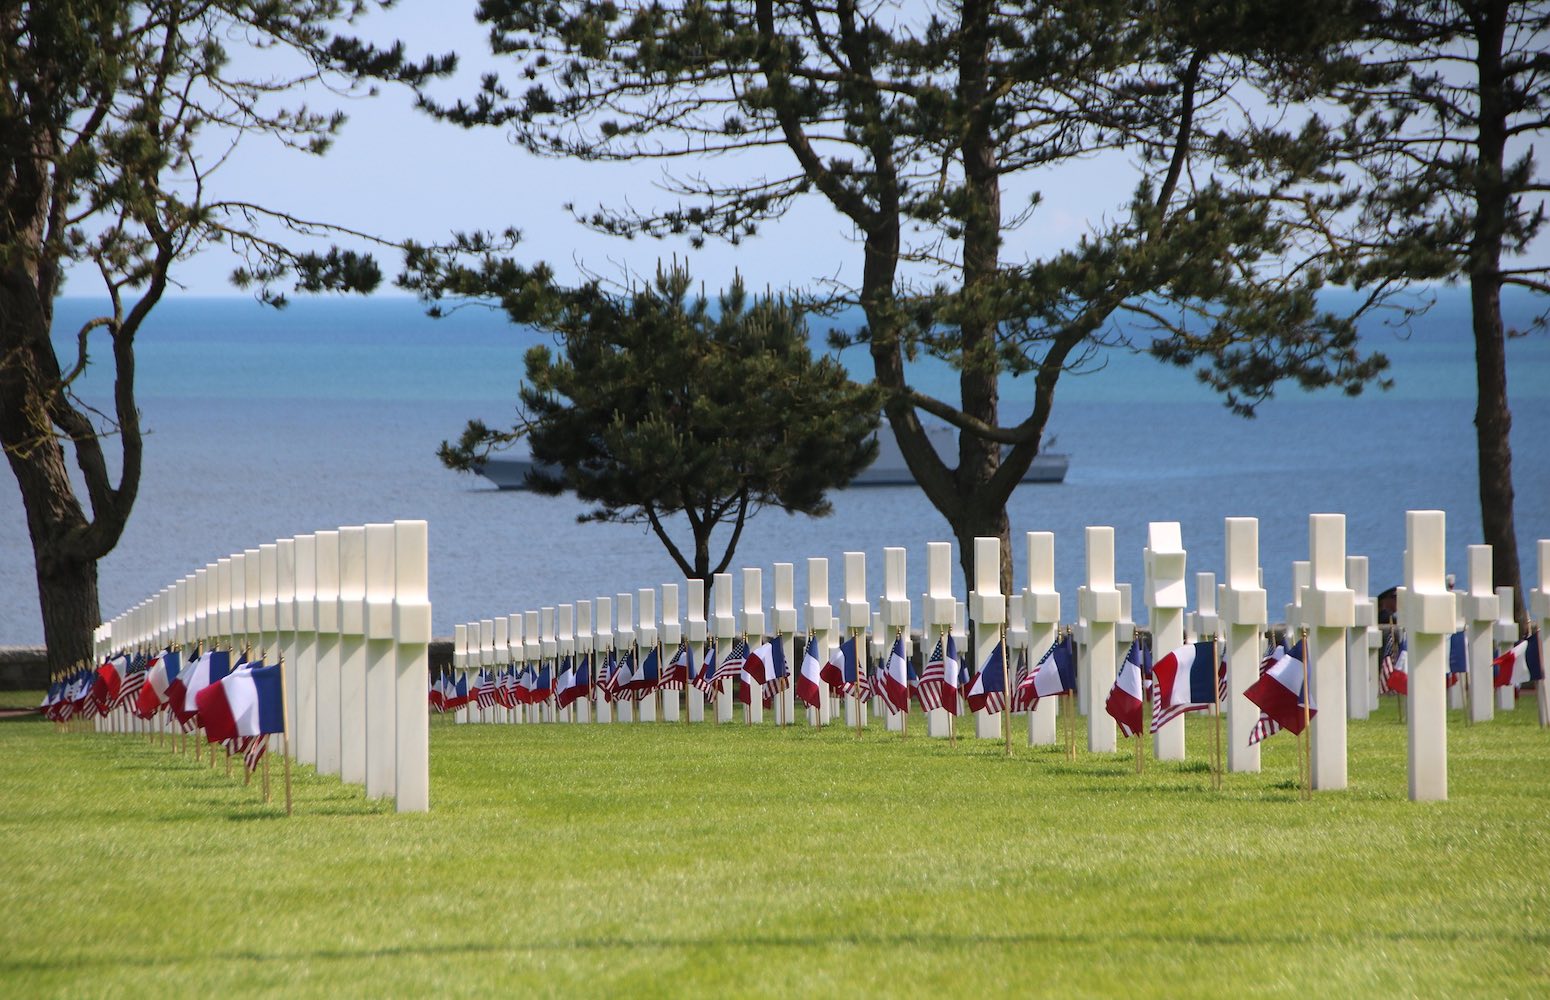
937,609
1329,608
753,628
352,645
1041,611
987,610
381,662
895,616
412,631
1428,611
1246,613
672,638
1360,658
855,617
1506,635
647,639
1166,597
1098,600
820,622
698,633
785,622
1480,611
331,651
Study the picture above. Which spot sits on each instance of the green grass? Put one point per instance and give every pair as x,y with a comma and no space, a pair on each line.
700,860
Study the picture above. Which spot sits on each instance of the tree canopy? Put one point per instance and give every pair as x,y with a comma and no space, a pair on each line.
115,120
928,129
659,405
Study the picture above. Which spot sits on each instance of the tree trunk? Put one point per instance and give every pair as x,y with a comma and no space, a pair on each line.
1493,417
978,522
68,596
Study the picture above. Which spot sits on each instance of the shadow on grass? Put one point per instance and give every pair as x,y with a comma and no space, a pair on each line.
1253,938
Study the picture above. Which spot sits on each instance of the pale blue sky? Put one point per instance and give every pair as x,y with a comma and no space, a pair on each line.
396,172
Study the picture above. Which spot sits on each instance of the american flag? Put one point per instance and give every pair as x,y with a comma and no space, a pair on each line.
253,748
733,664
702,679
932,678
677,674
1386,660
780,677
129,688
1024,697
484,690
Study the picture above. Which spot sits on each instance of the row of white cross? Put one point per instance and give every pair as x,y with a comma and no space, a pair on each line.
347,613
1331,601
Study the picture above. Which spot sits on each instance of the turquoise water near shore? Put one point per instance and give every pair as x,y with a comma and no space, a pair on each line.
263,424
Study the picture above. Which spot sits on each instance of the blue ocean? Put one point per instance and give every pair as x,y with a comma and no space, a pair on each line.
262,424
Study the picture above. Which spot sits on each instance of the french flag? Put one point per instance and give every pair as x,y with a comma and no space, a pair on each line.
565,683
159,677
247,702
1124,701
704,681
952,679
896,681
1186,677
811,674
759,667
781,677
583,684
648,674
211,668
1054,675
1519,665
1399,674
460,696
110,677
1282,688
840,672
988,693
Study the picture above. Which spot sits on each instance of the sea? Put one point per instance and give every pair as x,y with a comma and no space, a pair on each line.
262,424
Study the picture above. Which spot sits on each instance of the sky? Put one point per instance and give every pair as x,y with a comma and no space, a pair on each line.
396,172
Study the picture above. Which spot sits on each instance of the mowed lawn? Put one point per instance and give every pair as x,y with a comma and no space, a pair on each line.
673,860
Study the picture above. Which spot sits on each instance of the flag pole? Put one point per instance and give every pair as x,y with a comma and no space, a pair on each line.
1307,697
856,687
1007,693
1216,706
285,740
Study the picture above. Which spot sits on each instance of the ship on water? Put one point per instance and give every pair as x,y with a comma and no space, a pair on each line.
509,472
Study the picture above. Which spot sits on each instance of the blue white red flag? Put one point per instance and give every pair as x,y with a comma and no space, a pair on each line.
759,666
781,671
896,682
1055,674
811,674
1184,680
211,668
988,692
1281,691
1519,665
246,702
840,670
1124,702
648,674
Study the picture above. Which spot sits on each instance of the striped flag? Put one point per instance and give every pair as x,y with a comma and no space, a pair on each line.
677,675
704,680
733,664
933,678
1281,693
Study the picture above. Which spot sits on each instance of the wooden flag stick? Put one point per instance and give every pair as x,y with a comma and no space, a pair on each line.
1307,696
1216,707
266,776
1008,693
285,738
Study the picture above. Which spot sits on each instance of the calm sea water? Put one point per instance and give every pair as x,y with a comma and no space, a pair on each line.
264,424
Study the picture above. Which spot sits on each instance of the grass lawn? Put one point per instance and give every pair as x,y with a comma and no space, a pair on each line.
671,860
